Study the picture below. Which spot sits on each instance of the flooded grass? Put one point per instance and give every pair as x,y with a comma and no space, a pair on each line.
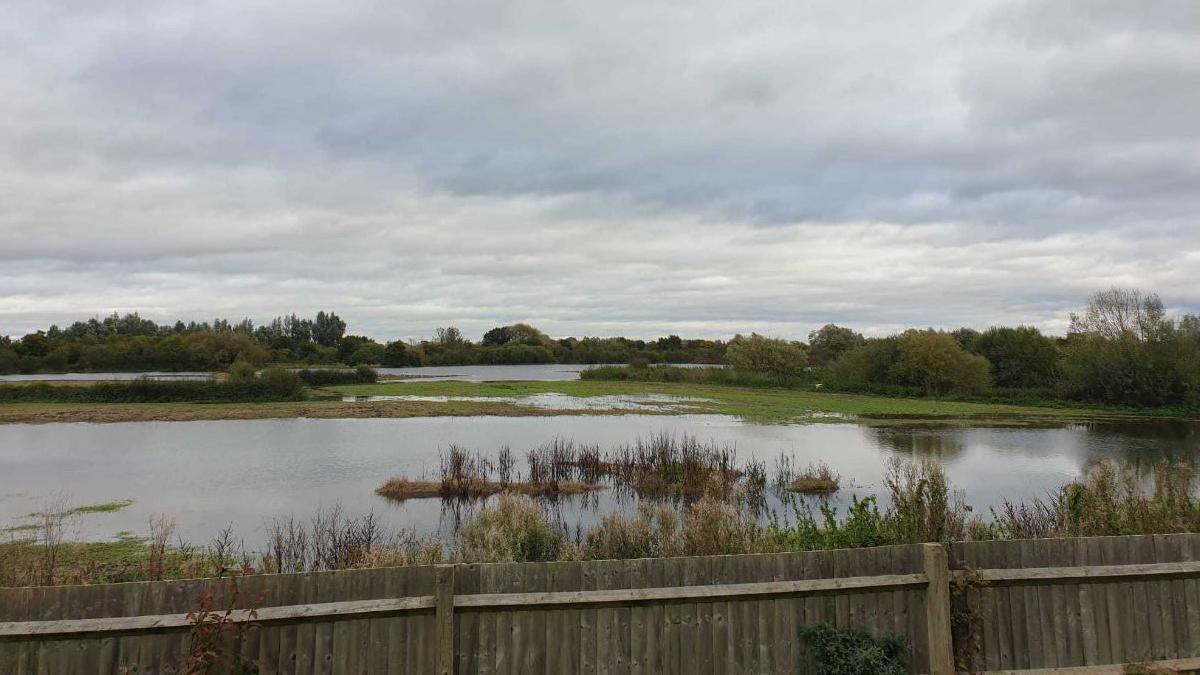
816,479
661,466
470,475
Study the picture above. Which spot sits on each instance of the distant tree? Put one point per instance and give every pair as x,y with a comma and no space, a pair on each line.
450,337
497,336
1124,349
934,362
241,371
1020,357
328,329
867,364
368,354
760,354
829,342
395,355
965,337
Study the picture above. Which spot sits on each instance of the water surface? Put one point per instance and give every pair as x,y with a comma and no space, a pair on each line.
207,474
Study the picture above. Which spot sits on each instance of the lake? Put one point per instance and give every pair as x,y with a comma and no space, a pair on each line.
209,474
542,372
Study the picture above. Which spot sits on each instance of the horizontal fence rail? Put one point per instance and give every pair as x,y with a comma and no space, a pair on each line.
1098,605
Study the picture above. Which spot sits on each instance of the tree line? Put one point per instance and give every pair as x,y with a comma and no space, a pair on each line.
131,343
1123,348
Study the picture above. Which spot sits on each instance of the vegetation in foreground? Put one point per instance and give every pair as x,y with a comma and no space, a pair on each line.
923,507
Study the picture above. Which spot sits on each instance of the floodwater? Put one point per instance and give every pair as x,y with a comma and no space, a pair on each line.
208,474
546,372
98,377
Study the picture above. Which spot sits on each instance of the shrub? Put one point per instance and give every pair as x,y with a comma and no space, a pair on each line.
773,356
849,652
242,371
513,530
326,377
935,363
1021,357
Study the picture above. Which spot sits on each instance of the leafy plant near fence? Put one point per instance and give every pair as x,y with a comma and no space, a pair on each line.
836,651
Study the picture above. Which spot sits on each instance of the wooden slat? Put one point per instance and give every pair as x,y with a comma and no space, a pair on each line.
1136,571
1167,666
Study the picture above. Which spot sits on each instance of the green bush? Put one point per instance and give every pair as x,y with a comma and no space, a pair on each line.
836,651
281,386
776,357
326,377
513,530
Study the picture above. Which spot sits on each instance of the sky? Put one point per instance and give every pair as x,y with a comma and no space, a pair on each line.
597,168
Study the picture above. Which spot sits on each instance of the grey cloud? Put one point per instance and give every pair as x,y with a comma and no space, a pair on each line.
615,167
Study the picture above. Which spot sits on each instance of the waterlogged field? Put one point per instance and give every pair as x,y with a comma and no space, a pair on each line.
210,474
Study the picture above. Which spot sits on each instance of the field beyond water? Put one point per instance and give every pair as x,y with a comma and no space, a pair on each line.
525,398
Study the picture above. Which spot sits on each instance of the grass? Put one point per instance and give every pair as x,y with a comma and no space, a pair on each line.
401,488
759,404
817,479
767,404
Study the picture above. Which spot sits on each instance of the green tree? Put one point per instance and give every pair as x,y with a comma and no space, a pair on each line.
934,362
328,329
1020,357
1124,349
760,354
829,342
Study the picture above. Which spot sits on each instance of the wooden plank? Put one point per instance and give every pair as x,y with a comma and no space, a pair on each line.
444,597
306,631
1053,610
1124,572
628,595
466,579
1088,625
1167,547
1140,606
1167,666
937,608
605,621
1190,550
173,621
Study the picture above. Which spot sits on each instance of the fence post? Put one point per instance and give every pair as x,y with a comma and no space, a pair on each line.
937,610
444,594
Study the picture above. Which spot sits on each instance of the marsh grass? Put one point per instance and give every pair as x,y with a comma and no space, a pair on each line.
469,475
815,479
1110,500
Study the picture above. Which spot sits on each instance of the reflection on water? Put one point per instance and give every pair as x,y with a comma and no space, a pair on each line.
553,401
209,474
96,377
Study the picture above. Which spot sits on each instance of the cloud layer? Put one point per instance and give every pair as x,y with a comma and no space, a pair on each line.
598,168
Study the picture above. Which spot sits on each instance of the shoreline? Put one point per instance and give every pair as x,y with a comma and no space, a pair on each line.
778,406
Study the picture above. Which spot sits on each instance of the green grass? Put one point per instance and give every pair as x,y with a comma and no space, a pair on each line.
763,404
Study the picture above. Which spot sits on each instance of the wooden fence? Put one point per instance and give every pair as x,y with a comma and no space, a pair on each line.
1032,605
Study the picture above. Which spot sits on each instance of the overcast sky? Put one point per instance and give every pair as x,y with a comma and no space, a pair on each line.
618,167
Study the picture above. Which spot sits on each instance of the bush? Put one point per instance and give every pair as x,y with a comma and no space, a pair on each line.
514,530
242,371
1021,357
326,377
849,652
277,386
935,363
760,354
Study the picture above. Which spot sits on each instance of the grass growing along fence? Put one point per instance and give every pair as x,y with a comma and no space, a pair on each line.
273,384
